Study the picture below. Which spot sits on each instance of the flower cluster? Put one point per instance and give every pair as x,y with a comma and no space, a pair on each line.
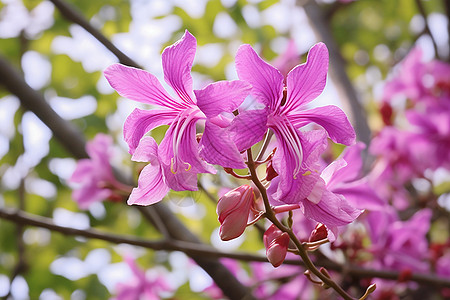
296,180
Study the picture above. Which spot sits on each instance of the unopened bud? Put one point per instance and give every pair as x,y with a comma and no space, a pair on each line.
386,113
233,210
276,243
319,233
270,171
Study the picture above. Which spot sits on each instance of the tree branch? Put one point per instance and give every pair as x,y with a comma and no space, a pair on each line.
345,88
72,14
427,27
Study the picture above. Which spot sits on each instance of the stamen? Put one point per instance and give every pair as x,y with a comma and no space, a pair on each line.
189,166
172,162
294,143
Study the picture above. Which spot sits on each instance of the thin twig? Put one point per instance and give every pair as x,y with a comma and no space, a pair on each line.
203,250
427,27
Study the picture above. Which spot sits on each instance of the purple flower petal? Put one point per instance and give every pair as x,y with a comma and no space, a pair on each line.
151,186
332,210
331,118
139,85
307,81
139,122
248,128
217,148
177,62
147,151
224,96
267,81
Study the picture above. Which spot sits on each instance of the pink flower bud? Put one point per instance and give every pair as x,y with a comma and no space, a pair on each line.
276,243
319,233
233,209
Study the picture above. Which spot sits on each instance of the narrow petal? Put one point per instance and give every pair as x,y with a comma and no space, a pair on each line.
248,128
217,148
147,151
139,85
89,194
306,81
267,81
332,210
177,64
139,122
331,118
151,187
361,195
224,96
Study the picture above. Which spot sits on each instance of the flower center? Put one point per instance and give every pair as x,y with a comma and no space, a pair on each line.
184,121
287,134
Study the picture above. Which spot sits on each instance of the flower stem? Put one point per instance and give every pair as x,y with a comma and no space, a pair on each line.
301,250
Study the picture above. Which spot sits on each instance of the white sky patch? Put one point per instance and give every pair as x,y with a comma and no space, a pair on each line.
4,285
41,18
70,109
66,218
209,55
194,8
13,19
228,3
301,31
19,288
35,139
38,236
104,87
8,107
279,16
50,294
226,245
437,23
112,274
37,69
199,279
62,167
224,26
41,187
84,48
252,16
150,9
72,268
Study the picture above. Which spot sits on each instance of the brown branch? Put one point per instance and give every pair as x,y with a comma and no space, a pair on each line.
357,114
193,249
72,14
427,27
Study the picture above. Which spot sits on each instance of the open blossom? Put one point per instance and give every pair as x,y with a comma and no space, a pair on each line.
342,177
94,175
180,156
285,113
399,245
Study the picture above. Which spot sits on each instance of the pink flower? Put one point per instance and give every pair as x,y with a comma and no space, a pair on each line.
180,156
399,245
276,243
233,210
94,175
285,113
141,286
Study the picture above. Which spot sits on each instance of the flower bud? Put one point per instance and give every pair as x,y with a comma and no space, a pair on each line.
233,209
270,172
319,233
276,243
